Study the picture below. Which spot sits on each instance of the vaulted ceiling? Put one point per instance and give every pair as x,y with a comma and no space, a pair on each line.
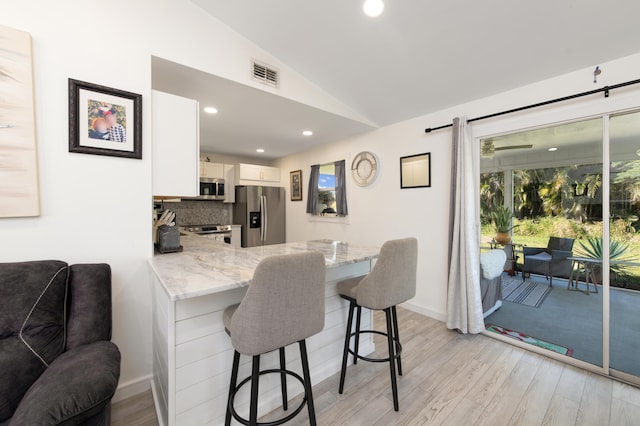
421,56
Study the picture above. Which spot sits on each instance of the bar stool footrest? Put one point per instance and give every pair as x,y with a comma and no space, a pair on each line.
275,422
398,350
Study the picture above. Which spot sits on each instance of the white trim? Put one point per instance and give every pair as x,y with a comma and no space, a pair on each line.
440,316
606,237
132,388
156,403
330,219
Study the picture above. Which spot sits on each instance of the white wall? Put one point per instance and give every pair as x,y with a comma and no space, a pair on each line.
98,209
383,211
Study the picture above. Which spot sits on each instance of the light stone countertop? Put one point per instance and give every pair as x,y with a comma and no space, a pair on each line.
207,266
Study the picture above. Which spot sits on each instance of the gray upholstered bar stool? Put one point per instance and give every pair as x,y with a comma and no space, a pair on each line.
284,304
391,282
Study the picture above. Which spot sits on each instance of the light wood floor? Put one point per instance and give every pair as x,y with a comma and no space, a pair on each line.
454,379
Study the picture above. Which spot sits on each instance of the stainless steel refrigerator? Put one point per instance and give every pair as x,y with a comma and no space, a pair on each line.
261,212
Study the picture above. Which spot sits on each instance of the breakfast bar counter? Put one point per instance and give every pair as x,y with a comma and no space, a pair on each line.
192,353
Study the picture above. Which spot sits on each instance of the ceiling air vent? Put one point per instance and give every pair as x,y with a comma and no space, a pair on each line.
265,73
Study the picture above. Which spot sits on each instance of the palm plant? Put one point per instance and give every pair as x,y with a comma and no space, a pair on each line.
593,248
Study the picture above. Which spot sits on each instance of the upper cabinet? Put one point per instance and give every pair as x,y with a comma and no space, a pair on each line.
176,145
252,174
211,170
229,183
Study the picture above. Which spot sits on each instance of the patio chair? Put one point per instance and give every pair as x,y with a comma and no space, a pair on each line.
550,261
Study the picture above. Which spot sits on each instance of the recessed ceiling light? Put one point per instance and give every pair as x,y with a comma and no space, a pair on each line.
307,133
211,110
553,149
373,8
260,150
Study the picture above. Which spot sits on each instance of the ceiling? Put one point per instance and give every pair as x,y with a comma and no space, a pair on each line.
250,118
422,56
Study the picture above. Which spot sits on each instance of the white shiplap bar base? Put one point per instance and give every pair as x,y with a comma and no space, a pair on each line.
193,355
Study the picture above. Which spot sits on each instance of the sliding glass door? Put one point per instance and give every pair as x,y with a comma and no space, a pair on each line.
624,242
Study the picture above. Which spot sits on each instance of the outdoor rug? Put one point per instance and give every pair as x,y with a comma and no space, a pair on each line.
527,292
530,340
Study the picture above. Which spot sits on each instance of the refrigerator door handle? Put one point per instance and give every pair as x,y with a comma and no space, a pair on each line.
265,219
261,218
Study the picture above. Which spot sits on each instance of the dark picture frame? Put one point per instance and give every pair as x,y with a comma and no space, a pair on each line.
415,171
295,183
104,120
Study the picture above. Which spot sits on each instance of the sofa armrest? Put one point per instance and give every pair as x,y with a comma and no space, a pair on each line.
76,386
557,255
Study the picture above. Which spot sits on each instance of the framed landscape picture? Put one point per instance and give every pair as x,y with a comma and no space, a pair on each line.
19,191
104,121
296,185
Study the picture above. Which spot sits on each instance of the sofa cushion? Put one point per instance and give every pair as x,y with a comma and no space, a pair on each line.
76,387
32,325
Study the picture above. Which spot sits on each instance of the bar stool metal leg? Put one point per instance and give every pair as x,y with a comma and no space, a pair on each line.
255,379
396,336
307,383
357,336
392,364
345,353
232,386
283,380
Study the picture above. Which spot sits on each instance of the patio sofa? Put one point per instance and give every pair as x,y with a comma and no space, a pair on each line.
550,261
57,364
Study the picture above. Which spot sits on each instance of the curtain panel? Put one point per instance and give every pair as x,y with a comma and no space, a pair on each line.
312,194
464,302
341,188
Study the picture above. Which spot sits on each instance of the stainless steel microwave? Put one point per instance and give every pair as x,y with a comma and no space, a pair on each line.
211,189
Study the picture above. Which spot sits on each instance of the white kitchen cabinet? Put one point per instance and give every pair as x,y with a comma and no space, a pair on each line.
236,235
271,174
211,170
176,145
249,172
229,183
252,174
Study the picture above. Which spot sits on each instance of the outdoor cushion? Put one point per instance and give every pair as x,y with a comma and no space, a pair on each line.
32,325
540,257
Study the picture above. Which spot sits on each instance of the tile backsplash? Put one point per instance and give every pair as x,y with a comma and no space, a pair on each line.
194,212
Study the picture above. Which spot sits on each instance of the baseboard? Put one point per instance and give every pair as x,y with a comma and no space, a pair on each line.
132,388
156,403
440,316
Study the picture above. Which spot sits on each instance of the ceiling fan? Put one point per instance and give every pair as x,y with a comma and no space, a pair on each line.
487,149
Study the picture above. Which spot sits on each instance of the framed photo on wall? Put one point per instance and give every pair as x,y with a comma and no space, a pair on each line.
295,179
415,171
104,121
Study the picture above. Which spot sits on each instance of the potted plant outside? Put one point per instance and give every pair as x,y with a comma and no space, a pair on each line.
502,222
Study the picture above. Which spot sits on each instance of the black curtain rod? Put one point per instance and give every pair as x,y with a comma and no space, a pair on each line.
605,89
